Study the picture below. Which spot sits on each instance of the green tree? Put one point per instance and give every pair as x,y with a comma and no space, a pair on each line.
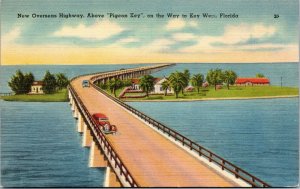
49,83
186,78
260,75
20,83
28,80
16,82
197,81
103,85
147,84
166,85
114,84
229,77
127,83
215,77
61,81
177,82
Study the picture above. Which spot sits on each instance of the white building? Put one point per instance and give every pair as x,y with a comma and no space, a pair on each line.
36,88
158,89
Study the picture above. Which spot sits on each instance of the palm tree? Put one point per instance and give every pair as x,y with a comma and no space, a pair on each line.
114,84
197,81
229,77
166,85
215,77
177,82
186,77
147,84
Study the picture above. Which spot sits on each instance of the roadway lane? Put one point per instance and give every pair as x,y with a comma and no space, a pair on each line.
153,160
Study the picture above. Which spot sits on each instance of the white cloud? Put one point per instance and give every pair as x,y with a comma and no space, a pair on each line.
98,31
159,45
193,24
243,32
128,40
11,36
233,35
175,24
184,36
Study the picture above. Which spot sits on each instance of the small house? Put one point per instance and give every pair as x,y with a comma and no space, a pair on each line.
36,87
158,89
252,81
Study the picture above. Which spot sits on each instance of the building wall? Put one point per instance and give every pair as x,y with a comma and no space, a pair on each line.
36,89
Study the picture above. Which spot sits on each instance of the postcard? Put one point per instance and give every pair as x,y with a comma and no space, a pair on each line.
136,93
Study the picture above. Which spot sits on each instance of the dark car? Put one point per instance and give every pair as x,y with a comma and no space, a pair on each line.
85,83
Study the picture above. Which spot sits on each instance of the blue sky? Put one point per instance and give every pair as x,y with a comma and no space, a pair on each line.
255,36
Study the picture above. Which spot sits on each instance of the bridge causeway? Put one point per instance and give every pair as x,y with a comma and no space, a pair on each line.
145,152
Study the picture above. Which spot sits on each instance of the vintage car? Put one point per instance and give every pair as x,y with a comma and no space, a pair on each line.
85,83
104,124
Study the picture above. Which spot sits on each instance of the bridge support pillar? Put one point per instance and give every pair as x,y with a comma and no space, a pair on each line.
87,138
97,159
80,123
70,95
111,179
72,104
76,112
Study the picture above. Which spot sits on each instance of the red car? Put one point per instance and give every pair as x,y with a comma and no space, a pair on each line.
103,123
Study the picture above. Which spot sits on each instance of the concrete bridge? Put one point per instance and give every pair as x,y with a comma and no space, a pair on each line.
145,152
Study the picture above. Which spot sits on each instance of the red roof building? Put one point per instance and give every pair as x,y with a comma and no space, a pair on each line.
252,81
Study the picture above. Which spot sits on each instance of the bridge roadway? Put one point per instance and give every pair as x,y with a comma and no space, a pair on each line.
153,160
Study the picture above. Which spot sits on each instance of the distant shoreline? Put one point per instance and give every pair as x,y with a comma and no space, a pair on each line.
213,99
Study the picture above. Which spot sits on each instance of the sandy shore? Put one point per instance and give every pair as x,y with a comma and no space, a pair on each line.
207,99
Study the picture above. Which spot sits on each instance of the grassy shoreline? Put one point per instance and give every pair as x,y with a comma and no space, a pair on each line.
235,92
211,99
60,96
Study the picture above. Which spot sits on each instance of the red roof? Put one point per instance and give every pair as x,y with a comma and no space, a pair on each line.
252,80
135,81
37,83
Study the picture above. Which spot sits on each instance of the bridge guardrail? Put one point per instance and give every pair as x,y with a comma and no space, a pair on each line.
202,151
100,136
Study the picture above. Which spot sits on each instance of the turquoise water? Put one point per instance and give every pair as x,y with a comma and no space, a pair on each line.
41,148
261,136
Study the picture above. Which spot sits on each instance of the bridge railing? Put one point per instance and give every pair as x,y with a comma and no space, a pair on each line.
101,139
200,150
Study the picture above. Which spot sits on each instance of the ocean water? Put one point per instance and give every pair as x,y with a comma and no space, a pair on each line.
260,136
40,146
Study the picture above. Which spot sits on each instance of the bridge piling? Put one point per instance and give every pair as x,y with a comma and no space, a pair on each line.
87,137
111,179
75,114
97,158
80,123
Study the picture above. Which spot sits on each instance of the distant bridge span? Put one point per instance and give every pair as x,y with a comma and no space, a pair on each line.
145,153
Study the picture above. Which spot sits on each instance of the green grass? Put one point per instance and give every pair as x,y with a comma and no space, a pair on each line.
233,92
60,96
